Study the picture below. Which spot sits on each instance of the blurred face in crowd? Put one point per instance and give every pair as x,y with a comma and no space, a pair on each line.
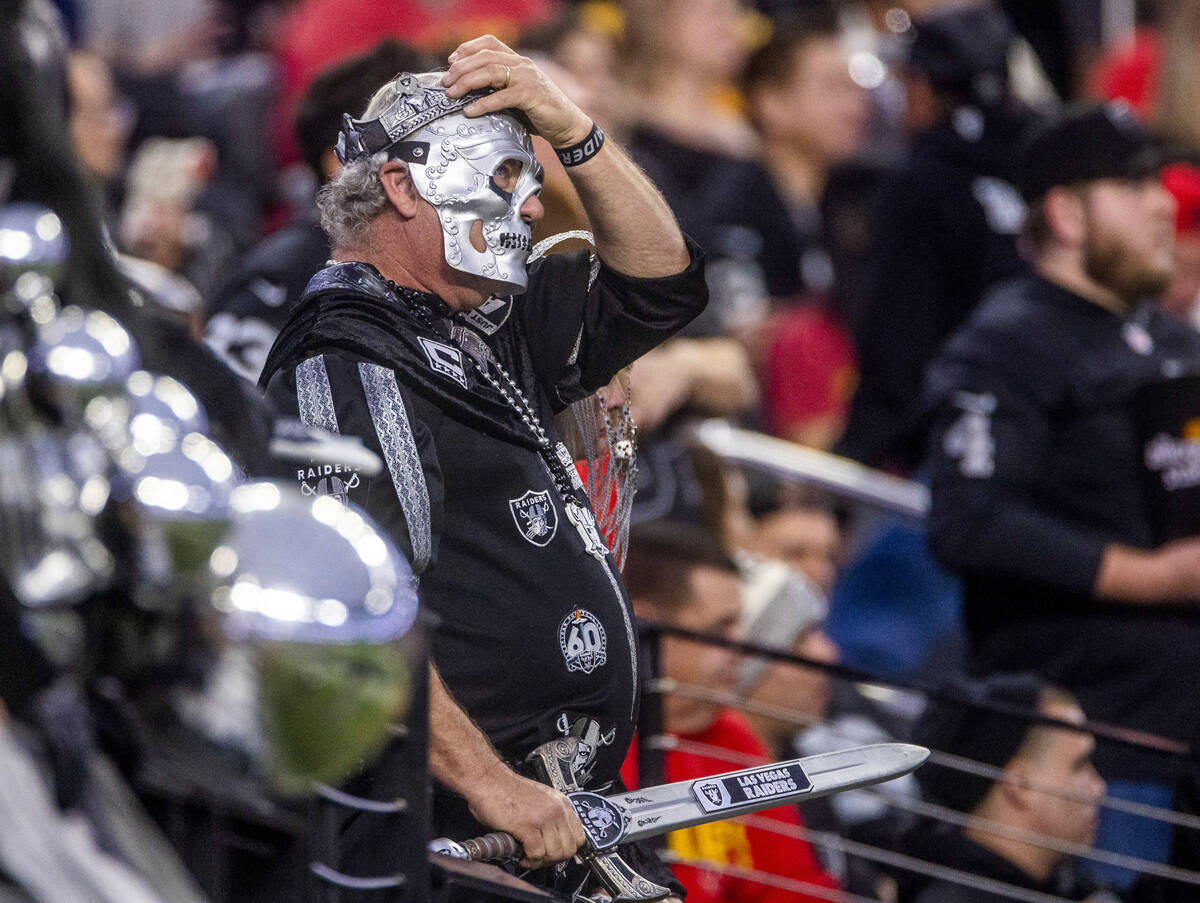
713,605
804,693
1182,297
99,121
589,57
819,109
1061,759
806,539
1128,236
704,36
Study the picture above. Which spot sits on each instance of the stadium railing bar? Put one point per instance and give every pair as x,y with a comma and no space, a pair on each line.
840,476
872,489
1108,732
653,742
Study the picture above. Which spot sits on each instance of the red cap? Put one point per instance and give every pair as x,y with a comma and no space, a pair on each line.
1183,181
1130,73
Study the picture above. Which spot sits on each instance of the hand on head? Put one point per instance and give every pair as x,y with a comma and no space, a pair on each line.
519,84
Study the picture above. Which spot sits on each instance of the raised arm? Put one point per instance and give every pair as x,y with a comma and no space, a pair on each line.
990,440
635,231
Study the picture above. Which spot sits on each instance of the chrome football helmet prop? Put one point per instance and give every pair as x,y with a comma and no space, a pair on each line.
312,603
33,244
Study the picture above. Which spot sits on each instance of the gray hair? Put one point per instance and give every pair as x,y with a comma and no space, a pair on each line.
351,199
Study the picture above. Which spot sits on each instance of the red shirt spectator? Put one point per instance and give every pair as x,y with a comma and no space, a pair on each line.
731,842
811,371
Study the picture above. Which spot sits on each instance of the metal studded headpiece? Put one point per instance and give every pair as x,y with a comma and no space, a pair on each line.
416,105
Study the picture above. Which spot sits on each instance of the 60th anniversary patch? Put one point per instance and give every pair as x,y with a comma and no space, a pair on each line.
749,786
583,641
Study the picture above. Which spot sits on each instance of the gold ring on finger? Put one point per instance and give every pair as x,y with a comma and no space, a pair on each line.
507,77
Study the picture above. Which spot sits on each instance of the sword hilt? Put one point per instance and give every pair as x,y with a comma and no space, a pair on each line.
493,847
621,880
559,763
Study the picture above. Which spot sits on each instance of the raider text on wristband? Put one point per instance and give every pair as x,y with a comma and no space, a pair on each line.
584,150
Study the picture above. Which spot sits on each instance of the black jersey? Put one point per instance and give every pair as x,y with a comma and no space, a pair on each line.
943,230
535,624
1038,459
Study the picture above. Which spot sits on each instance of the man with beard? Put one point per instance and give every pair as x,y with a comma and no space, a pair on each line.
1063,460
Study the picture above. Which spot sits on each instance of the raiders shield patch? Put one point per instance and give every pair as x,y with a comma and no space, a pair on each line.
714,793
583,641
445,359
535,516
328,479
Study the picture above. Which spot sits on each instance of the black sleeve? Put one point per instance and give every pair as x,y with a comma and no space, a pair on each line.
905,279
582,330
990,438
935,250
357,398
254,302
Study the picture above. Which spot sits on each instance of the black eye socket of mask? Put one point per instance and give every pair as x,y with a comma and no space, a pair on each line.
506,195
538,176
509,172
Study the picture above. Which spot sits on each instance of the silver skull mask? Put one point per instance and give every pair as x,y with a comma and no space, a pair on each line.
471,170
481,170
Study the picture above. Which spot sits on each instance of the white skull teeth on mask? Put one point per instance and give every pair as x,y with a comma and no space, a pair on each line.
457,179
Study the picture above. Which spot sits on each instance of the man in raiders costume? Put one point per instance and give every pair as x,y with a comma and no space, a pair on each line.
427,337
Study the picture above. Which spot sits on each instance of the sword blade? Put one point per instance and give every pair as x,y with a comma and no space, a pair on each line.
670,807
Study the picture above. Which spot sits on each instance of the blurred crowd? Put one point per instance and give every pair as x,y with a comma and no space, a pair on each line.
851,170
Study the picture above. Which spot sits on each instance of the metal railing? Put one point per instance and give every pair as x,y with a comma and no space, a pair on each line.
837,475
654,743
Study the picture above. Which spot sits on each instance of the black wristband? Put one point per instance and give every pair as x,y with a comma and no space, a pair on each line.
584,150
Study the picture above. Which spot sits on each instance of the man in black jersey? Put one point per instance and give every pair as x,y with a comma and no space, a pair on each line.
944,225
429,338
1064,463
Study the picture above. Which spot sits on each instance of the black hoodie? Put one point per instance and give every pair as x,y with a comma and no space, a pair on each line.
535,626
944,228
999,880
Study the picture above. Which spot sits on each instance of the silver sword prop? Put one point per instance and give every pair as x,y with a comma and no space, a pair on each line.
632,815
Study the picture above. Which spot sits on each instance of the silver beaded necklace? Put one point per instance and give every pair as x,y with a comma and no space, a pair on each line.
555,456
557,459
